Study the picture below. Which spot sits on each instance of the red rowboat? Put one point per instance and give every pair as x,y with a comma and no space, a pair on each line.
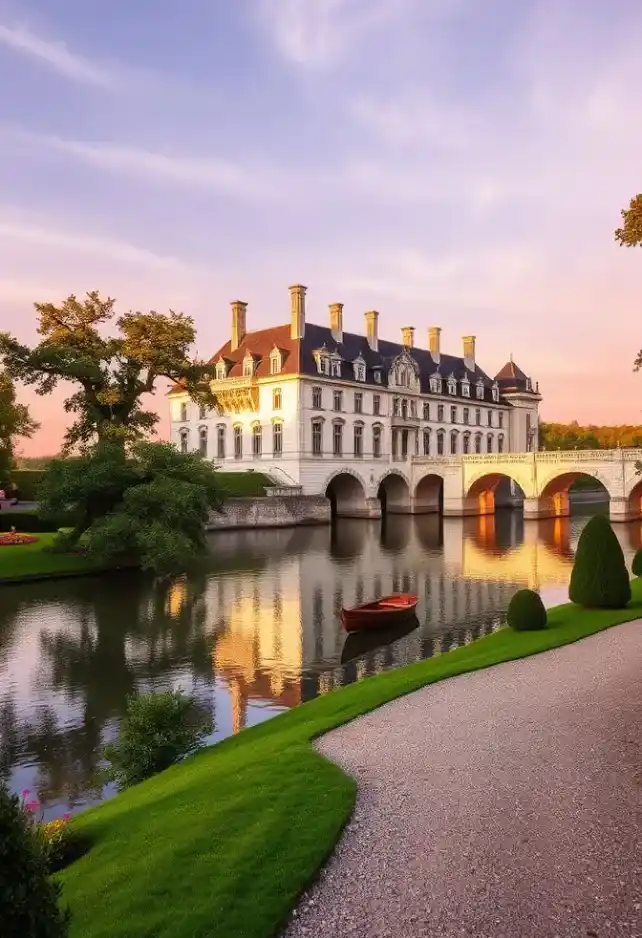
382,613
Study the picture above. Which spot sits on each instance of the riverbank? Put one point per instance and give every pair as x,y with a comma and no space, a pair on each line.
225,843
28,562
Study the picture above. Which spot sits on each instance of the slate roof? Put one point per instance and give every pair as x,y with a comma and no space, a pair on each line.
512,378
298,358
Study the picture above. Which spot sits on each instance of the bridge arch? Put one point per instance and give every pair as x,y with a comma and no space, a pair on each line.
429,494
393,492
346,492
484,491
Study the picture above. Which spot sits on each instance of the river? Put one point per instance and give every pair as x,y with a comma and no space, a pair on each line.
253,633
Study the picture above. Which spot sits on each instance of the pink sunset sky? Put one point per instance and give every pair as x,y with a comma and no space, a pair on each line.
447,163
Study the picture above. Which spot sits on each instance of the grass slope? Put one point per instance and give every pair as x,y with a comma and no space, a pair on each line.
243,484
222,845
26,561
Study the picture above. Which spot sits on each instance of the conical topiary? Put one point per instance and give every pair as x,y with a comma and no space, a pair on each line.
636,566
526,612
599,579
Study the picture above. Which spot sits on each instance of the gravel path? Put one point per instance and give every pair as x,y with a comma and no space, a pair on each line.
501,804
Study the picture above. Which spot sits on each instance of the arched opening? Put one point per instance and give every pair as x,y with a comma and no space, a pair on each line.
347,496
429,495
493,490
635,501
577,490
394,495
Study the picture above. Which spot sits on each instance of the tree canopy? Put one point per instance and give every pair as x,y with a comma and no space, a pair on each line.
630,234
145,503
574,436
111,373
15,421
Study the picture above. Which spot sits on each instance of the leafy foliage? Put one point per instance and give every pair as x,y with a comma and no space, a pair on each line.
29,906
526,611
630,234
149,502
574,436
157,731
14,422
636,566
599,579
112,374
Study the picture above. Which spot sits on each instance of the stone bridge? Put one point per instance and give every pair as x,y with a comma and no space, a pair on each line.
467,485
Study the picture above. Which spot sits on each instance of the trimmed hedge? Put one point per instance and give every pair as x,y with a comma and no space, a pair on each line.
599,579
636,566
526,612
243,484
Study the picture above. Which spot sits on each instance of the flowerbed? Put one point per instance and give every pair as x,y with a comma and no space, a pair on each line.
10,540
60,844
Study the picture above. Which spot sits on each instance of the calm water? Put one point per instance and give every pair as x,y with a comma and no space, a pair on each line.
255,633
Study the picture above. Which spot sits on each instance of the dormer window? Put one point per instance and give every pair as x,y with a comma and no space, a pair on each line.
465,386
495,391
480,390
335,366
248,366
452,385
377,376
529,384
359,366
221,371
323,361
435,383
276,361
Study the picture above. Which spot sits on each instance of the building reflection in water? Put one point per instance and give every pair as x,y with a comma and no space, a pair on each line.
255,632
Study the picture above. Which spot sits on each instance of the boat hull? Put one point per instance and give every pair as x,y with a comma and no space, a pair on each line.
382,614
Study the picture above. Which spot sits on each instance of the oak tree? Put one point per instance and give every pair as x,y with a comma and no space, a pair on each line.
111,373
15,421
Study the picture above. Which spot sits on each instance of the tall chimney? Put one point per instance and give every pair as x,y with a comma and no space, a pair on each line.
434,334
297,309
239,323
336,321
469,352
372,329
408,336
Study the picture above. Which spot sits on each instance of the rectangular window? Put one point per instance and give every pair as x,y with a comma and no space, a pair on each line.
466,442
489,443
500,443
317,434
478,443
238,443
453,442
257,440
453,415
377,377
183,412
202,412
426,410
248,367
478,417
276,399
336,368
376,442
500,419
337,439
202,443
466,415
440,444
338,400
413,408
358,440
376,404
490,418
275,365
395,407
358,402
426,442
440,413
317,398
277,439
220,442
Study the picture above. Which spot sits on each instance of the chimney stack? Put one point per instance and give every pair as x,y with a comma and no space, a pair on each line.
408,336
336,321
434,334
469,352
297,309
372,329
239,323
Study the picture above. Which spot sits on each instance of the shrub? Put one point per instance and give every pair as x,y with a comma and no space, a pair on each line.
157,731
29,906
599,579
636,566
526,612
61,843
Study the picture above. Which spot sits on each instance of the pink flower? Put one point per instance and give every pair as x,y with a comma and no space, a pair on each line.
32,805
66,817
25,792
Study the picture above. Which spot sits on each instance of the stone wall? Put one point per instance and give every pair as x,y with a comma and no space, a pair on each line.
271,512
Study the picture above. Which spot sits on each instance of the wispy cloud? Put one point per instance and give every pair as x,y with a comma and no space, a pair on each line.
55,55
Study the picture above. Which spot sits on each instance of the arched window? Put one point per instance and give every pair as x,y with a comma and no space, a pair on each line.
337,438
238,442
376,441
478,442
358,440
466,443
277,438
184,441
220,441
202,441
317,437
440,442
426,442
453,441
257,440
489,442
500,443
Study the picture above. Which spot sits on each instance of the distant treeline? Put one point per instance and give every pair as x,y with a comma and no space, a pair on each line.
574,436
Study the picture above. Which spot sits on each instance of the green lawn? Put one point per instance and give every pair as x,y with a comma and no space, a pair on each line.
24,561
222,845
243,484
